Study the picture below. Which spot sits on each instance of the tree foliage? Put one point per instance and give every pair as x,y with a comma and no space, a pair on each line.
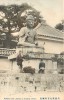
59,26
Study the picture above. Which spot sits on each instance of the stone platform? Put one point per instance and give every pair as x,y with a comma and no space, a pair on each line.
24,82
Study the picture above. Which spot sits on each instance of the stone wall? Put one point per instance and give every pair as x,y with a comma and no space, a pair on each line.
25,82
50,66
51,46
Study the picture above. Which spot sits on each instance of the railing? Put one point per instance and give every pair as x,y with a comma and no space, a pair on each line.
6,51
35,54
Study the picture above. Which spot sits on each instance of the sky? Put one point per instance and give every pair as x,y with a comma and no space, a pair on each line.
51,10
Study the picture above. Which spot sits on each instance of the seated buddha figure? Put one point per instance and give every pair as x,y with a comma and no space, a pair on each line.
28,35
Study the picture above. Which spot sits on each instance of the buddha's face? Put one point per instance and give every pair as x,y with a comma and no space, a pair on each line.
30,23
19,52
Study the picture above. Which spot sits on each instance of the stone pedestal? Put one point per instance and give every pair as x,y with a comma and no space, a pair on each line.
55,67
28,49
48,66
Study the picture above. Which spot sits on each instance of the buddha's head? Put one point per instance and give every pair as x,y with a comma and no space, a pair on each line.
30,21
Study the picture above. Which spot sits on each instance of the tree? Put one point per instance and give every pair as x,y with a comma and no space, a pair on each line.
59,26
12,19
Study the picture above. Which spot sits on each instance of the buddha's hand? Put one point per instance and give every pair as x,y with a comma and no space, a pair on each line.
36,43
27,34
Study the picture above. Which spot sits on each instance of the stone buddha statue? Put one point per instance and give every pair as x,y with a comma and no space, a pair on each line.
28,35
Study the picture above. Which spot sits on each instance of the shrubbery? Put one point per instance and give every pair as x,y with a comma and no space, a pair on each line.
29,70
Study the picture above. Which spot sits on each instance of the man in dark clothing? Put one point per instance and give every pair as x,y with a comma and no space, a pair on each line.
41,66
19,60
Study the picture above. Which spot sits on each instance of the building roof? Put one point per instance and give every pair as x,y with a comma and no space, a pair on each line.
46,30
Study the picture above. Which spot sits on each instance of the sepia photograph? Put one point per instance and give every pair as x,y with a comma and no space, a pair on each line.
31,49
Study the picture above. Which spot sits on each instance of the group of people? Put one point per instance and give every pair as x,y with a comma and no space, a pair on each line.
28,37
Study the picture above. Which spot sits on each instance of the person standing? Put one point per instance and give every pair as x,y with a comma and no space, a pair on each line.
41,67
19,60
